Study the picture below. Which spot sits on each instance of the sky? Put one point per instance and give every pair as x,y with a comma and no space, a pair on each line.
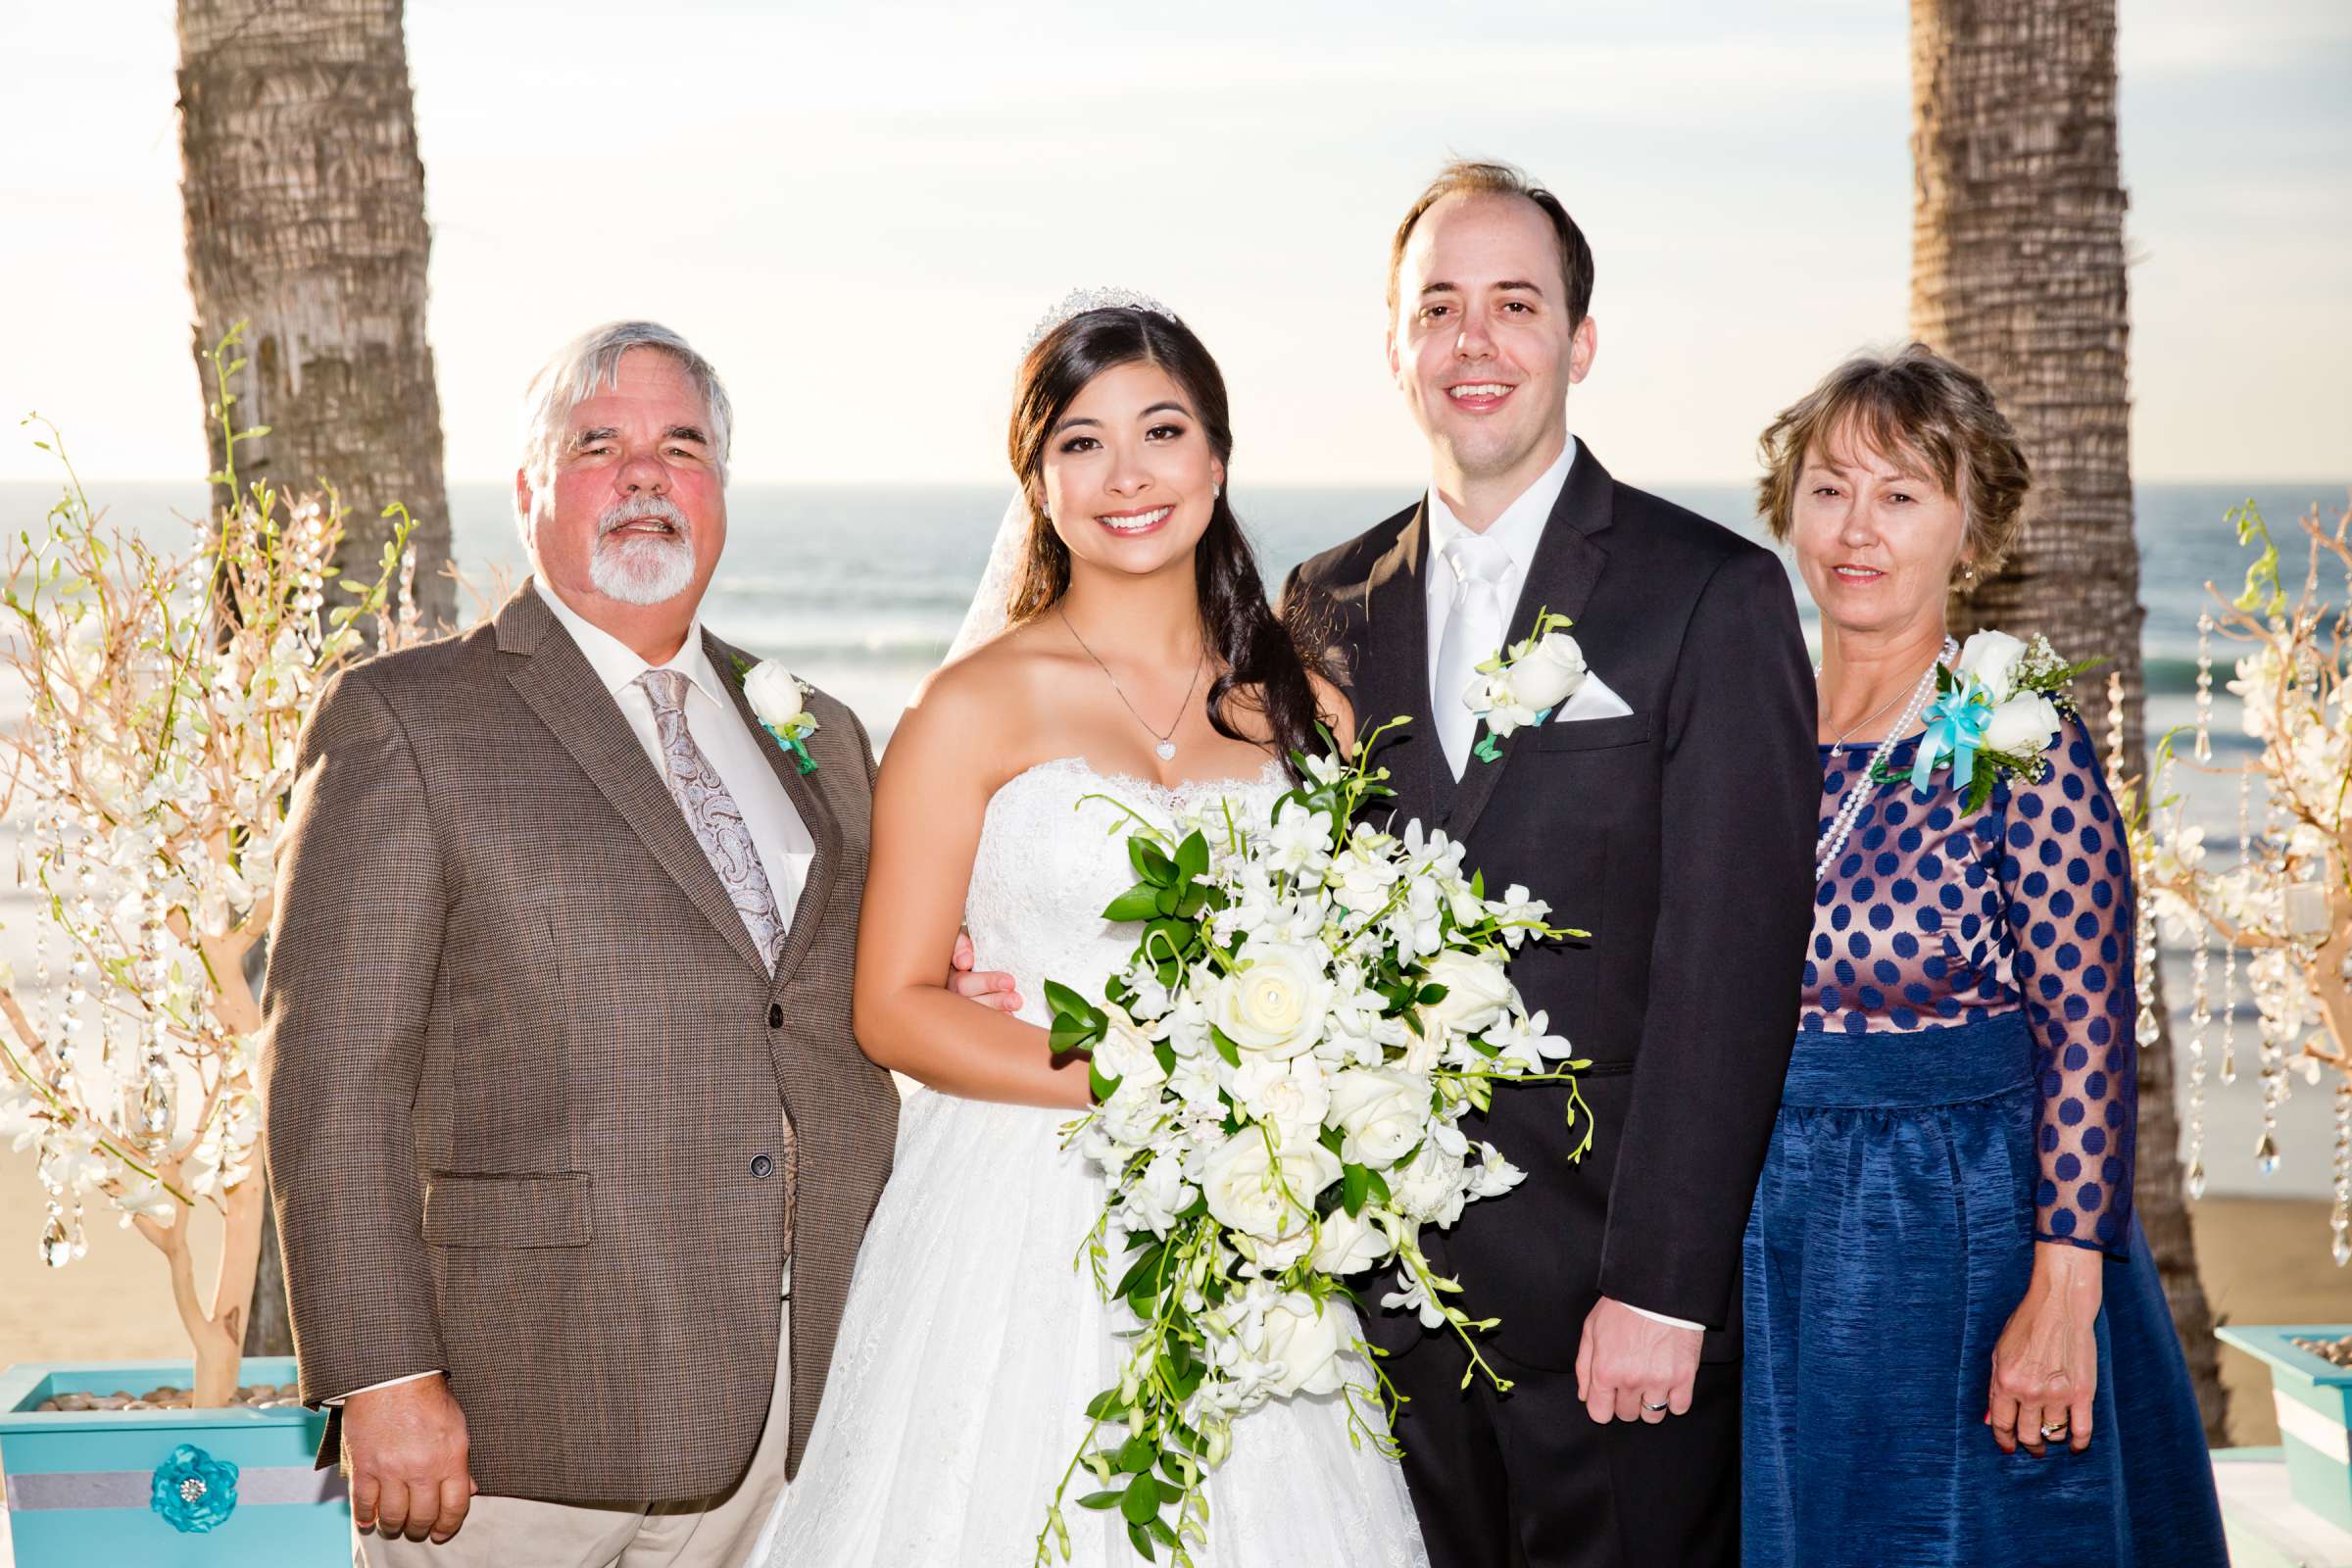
858,211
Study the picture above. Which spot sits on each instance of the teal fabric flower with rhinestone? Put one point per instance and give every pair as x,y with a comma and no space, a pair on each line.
193,1491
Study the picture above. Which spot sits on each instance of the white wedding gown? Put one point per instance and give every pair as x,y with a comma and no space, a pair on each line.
972,1341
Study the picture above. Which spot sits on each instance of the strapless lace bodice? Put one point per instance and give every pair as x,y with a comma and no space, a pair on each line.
1053,855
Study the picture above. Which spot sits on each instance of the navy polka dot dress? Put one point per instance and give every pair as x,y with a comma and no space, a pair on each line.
1936,917
1962,1088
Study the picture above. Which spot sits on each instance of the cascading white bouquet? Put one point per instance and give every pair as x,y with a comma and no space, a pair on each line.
1313,1005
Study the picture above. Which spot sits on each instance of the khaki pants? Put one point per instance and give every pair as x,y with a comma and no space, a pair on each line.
708,1533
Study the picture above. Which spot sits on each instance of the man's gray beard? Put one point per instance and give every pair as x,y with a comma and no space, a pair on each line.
645,570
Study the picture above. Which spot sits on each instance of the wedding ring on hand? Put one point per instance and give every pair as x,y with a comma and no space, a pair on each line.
1653,1408
2052,1431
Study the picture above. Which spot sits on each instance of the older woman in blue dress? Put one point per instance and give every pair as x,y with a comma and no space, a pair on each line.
1957,1349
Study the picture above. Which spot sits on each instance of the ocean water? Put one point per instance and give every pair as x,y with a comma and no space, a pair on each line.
861,590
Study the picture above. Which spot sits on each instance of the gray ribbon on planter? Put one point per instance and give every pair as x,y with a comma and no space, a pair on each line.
129,1489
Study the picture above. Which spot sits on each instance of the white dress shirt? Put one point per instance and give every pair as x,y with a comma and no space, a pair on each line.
1519,529
786,849
733,747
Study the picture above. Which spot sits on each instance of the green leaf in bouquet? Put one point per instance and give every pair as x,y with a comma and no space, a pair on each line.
1225,1046
1063,1001
1074,1034
1102,1406
1168,900
1379,1190
1151,861
1161,1531
1142,1502
1138,903
1141,1538
1429,995
1332,1137
1165,1054
1100,1499
1179,1468
1355,1184
1136,1456
1143,1270
1191,856
1097,1082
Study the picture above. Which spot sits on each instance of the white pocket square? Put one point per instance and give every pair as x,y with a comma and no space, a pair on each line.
1591,700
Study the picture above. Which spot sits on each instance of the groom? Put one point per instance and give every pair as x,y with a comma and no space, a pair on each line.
563,1094
1667,806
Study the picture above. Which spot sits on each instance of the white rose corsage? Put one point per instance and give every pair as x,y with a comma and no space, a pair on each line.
1996,711
1523,683
779,699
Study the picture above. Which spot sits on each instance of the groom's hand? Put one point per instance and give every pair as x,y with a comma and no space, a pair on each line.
407,1447
1628,1364
990,988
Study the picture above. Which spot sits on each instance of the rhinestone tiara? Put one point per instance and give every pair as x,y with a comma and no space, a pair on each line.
1078,301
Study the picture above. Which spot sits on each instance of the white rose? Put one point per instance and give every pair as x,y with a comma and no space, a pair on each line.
774,695
1548,673
1310,1341
1476,992
1348,1244
2020,726
1125,1054
1993,657
1240,1180
1275,1001
1382,1110
1291,1094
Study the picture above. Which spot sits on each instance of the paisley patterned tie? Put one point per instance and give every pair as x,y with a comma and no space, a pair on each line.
712,812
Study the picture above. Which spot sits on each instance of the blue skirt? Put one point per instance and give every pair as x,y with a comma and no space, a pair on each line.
1892,1239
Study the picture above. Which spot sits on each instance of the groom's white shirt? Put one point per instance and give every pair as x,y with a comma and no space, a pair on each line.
1519,529
786,849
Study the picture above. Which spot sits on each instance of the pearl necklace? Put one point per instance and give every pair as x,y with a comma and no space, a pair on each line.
1832,845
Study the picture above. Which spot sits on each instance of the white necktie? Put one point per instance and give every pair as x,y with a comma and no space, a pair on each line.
1474,629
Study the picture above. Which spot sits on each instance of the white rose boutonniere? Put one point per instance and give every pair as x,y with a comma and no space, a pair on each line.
779,699
1523,683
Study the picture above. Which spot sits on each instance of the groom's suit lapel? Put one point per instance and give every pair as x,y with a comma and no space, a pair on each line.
1568,562
1392,675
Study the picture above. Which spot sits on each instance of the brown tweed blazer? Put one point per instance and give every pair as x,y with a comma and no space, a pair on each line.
524,1073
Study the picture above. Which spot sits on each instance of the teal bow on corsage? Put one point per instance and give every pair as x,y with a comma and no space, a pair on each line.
1956,723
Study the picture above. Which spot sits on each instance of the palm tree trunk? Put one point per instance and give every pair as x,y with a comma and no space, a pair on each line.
2017,271
305,202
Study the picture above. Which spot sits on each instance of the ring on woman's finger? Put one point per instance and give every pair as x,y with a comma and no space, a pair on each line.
2053,1430
1654,1409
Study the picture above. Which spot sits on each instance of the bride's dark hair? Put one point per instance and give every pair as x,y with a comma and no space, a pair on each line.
1263,660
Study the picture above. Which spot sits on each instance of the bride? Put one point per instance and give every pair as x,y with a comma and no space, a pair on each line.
1137,663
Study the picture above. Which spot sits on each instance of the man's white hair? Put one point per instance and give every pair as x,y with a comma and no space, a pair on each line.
590,362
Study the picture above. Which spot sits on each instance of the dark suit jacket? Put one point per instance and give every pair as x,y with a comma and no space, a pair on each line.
527,1073
1679,835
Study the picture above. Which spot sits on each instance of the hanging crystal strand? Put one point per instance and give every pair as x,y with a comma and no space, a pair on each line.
2200,1018
2285,965
2246,852
2340,1221
56,1239
2204,750
2115,730
155,1087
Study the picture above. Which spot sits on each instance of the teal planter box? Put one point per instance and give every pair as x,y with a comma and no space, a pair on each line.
82,1486
2315,1408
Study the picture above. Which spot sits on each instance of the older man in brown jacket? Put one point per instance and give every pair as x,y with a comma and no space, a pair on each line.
571,1145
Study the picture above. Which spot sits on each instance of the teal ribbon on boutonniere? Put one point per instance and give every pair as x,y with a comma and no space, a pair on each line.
778,700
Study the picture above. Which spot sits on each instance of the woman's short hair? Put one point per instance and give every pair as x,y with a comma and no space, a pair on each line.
1916,405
